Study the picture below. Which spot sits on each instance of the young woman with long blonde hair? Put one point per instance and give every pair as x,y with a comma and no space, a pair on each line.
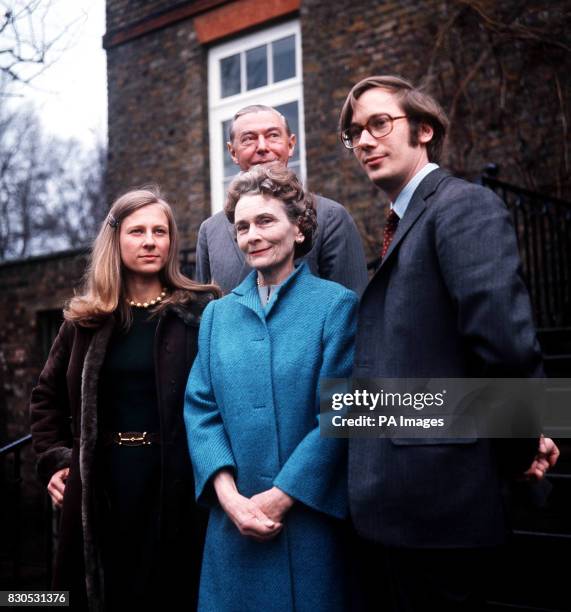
107,419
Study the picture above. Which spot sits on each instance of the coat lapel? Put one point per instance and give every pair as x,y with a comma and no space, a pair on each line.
88,440
415,209
247,295
301,270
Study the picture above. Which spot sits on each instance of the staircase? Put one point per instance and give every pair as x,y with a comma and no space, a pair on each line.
556,348
535,573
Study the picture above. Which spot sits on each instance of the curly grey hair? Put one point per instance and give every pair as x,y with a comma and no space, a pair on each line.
277,181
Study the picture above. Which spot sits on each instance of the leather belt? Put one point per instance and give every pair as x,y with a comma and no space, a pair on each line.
130,438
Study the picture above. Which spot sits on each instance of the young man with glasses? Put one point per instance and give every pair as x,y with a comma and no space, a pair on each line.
447,301
259,135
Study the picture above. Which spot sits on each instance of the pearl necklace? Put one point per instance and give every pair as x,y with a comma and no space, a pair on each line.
262,284
157,300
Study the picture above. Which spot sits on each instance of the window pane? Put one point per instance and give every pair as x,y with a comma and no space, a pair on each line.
230,75
257,67
283,52
229,166
291,112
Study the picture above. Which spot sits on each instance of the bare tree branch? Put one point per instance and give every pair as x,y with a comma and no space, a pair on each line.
52,193
27,48
501,55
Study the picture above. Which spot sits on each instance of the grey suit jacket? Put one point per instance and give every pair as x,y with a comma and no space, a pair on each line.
447,301
337,252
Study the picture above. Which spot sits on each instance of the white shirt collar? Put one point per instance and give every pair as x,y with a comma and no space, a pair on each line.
404,197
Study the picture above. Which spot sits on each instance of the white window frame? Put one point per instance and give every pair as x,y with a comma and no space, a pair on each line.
274,94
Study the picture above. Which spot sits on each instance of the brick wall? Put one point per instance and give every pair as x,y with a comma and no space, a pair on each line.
30,290
157,119
505,88
509,112
29,287
125,12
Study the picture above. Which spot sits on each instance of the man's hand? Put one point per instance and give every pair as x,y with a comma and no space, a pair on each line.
56,486
546,457
250,520
274,503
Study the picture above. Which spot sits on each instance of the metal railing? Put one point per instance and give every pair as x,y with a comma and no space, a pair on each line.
13,503
13,512
543,228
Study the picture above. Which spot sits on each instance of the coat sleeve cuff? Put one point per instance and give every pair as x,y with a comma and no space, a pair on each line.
328,497
205,493
336,506
51,461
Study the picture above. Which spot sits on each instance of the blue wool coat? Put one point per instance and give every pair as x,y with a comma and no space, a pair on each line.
252,405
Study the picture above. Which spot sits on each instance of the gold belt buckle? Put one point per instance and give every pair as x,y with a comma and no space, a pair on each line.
129,439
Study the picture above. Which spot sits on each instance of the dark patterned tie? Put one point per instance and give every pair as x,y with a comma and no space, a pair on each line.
391,225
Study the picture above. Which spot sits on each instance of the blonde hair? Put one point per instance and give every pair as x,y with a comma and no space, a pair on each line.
103,293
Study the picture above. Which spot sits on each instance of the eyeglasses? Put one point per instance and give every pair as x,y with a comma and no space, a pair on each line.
378,126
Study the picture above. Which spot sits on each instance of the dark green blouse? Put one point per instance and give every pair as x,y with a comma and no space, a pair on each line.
130,476
127,393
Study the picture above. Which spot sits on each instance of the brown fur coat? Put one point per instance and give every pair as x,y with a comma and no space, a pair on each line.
64,419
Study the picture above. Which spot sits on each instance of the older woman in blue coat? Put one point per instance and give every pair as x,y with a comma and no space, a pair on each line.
277,489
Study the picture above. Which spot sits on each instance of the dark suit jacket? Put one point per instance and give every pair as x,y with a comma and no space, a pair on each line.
447,301
337,252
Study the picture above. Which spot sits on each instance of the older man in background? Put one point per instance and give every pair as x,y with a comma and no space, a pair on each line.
258,135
